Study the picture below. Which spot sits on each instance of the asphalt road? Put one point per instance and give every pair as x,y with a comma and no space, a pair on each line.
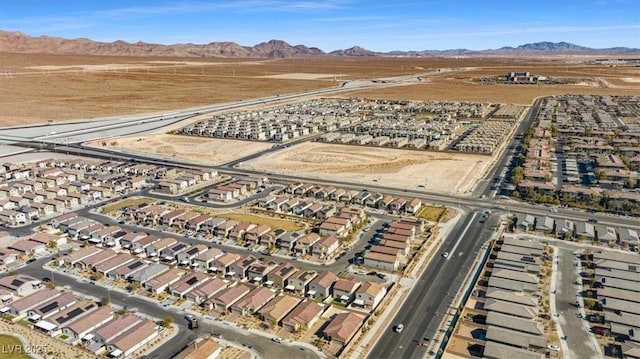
494,177
578,340
261,345
434,291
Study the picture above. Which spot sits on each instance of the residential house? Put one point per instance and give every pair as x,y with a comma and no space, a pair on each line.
344,289
205,260
258,271
274,311
20,284
305,243
106,267
304,315
114,328
84,325
224,299
342,327
255,234
131,340
8,256
154,249
299,283
369,295
28,247
325,247
159,283
280,274
186,256
238,269
381,260
187,283
206,290
253,301
224,262
322,285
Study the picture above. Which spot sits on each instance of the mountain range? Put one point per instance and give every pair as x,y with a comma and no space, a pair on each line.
17,42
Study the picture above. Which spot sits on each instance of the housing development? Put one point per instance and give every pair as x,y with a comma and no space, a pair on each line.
426,212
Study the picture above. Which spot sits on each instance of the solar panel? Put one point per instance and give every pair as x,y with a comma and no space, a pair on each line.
192,280
135,265
49,307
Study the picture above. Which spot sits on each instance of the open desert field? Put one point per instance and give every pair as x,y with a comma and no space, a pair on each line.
439,171
460,86
196,149
36,87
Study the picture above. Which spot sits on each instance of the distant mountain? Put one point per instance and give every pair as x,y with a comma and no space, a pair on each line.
20,43
354,51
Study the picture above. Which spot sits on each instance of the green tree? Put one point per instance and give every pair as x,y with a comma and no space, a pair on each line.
518,175
104,301
167,321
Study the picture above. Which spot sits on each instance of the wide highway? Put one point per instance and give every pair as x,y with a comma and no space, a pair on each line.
434,290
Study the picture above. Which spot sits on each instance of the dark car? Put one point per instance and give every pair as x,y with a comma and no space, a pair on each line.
31,260
46,280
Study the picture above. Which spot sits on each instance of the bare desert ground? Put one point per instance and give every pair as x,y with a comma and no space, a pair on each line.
439,171
197,149
35,88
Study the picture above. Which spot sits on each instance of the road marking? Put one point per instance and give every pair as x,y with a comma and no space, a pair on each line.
463,233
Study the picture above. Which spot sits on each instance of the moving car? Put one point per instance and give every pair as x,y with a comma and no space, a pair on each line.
399,328
445,254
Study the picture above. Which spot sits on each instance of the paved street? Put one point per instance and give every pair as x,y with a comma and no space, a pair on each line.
261,345
434,291
579,341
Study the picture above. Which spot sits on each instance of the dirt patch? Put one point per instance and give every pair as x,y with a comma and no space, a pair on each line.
39,87
434,171
205,150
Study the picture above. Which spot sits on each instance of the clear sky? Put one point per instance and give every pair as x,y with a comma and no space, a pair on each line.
379,25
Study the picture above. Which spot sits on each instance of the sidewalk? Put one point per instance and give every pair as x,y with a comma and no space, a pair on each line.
366,342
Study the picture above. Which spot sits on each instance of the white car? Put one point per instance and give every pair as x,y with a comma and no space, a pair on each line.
278,340
553,210
399,328
445,254
555,348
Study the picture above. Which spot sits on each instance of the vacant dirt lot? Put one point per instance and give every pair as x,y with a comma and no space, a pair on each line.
37,88
204,150
438,171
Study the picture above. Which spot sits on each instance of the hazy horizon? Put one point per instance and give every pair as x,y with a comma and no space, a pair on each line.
335,24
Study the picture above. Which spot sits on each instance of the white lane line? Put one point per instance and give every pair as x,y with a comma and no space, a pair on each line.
453,250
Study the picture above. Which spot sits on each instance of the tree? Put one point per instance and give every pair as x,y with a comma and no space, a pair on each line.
52,245
104,301
518,175
600,174
167,321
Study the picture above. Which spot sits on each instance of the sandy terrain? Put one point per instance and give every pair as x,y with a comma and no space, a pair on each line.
205,150
300,76
37,88
443,172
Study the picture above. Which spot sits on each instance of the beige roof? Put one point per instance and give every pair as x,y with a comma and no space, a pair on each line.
371,288
90,319
135,335
117,326
325,279
82,253
230,295
255,299
347,285
280,306
199,349
343,326
304,313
